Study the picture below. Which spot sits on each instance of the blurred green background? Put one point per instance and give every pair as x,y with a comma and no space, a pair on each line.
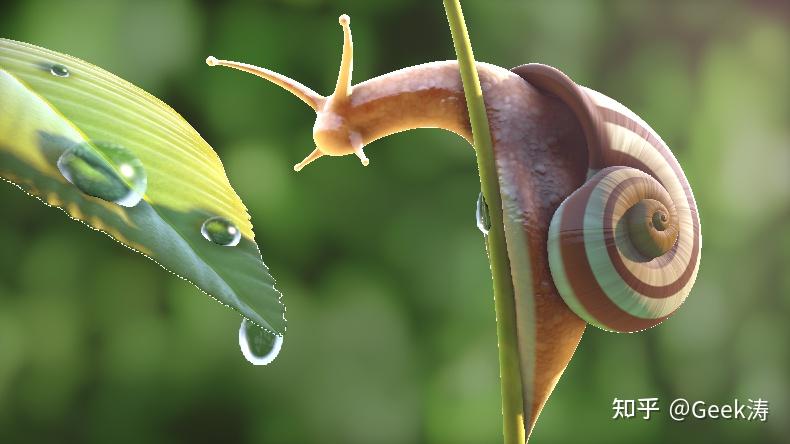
391,333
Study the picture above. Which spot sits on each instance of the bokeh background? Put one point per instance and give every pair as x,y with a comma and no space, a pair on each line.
391,333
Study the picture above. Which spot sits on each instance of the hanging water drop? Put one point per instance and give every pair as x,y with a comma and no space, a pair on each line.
105,170
258,346
481,215
59,70
221,231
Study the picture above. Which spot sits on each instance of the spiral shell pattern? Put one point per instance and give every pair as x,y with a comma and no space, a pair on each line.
624,249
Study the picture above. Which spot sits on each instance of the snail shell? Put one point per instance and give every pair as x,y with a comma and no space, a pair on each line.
624,248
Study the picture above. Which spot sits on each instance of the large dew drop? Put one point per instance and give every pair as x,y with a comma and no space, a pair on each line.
105,170
258,346
481,215
221,231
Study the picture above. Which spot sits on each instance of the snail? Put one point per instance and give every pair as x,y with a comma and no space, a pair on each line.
592,199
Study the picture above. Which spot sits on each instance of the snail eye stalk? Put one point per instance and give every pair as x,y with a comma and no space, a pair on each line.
331,139
307,95
343,87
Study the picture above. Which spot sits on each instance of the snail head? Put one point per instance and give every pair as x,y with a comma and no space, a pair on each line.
333,134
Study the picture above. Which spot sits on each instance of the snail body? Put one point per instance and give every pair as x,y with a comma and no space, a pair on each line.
599,219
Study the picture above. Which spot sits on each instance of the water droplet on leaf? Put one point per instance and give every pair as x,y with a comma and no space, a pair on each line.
59,70
481,214
258,346
221,231
105,170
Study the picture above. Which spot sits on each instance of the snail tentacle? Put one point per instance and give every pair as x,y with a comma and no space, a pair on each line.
305,94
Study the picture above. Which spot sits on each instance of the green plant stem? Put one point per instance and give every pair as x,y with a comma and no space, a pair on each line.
504,297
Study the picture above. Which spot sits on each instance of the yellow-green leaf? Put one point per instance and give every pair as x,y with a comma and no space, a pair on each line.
58,110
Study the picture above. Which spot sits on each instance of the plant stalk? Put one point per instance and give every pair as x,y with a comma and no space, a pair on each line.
504,296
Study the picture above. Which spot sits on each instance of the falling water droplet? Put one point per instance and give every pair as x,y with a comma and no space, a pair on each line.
258,346
221,231
59,70
481,214
105,170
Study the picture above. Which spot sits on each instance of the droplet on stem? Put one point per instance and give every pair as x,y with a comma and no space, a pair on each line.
482,216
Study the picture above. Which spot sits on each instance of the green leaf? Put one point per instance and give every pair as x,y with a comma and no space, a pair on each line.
111,137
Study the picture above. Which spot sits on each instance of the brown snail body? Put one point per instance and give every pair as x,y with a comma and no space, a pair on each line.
599,219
